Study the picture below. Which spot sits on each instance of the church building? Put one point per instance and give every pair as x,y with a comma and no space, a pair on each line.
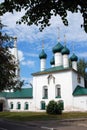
60,82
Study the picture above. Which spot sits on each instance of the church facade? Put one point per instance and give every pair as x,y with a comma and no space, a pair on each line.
60,82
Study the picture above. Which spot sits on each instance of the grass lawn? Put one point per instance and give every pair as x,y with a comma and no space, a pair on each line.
26,116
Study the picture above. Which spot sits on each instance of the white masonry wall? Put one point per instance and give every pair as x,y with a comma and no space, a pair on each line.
22,102
67,81
80,103
63,79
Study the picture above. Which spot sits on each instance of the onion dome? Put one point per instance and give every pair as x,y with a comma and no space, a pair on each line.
42,55
52,61
65,50
57,48
74,57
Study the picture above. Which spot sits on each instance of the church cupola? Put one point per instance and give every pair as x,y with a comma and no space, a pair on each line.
74,60
52,62
43,57
57,54
65,52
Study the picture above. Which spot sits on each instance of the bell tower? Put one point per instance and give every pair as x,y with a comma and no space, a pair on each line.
15,49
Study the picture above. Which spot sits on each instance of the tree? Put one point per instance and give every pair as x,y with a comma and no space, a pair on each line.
54,107
82,66
40,11
8,79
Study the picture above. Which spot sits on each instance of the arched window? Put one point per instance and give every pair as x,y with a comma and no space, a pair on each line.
43,105
58,91
26,106
11,105
45,92
18,105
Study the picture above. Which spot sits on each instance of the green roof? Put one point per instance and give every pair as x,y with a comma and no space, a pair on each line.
23,93
74,57
65,50
57,48
51,70
80,91
42,55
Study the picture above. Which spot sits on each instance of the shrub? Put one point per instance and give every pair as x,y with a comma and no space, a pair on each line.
54,107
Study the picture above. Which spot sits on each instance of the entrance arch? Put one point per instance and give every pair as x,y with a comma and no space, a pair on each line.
2,104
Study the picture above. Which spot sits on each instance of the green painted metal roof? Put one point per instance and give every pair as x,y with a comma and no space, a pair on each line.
42,55
23,93
51,70
80,91
74,57
65,50
57,48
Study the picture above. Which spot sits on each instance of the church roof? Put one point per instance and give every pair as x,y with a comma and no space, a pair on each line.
65,50
80,91
42,55
52,70
23,93
74,57
57,48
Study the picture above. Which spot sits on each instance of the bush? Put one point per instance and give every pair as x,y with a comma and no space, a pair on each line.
54,107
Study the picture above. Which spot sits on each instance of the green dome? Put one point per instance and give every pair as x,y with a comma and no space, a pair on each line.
52,61
57,48
74,57
65,50
42,55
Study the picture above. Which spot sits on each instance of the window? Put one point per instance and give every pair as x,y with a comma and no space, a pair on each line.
45,92
43,105
11,105
58,91
26,106
51,77
18,105
79,79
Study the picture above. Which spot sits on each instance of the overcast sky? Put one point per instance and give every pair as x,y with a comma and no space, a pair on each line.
30,39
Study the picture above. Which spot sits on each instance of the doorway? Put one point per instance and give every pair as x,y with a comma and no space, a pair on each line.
1,107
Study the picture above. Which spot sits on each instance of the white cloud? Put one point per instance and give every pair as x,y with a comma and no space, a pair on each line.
31,54
83,55
28,63
32,34
20,55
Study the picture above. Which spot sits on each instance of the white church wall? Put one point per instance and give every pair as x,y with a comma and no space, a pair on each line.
64,79
76,81
22,102
80,103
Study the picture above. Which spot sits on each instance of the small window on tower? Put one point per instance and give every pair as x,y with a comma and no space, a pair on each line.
79,79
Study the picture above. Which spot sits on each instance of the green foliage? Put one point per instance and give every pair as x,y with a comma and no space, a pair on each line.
40,11
82,67
54,107
8,77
